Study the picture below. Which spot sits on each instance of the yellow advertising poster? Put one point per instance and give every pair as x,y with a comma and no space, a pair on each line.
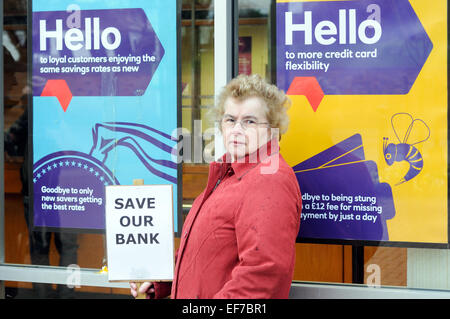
368,132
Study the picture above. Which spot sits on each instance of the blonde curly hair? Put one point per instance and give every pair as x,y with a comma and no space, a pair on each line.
245,86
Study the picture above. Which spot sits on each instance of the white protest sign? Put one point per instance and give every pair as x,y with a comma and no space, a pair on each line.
139,232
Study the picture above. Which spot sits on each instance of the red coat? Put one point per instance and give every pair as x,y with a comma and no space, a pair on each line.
238,240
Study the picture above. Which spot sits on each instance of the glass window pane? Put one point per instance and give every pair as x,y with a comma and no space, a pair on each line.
61,249
197,73
16,130
380,266
197,63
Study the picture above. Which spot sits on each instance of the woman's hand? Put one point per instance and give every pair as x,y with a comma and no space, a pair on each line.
145,288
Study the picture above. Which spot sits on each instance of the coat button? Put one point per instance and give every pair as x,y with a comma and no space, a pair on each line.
185,234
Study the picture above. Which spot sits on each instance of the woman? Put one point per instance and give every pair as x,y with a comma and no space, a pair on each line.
238,240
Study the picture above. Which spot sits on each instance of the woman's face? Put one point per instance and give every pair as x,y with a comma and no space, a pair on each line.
250,113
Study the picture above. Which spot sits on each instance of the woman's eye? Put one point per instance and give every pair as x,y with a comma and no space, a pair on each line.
249,122
229,120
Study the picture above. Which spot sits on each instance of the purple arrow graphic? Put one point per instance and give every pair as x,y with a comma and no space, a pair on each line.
109,53
351,47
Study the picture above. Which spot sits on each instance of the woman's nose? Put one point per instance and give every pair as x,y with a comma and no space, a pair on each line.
238,127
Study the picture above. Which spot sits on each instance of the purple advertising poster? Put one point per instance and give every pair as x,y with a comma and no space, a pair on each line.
104,86
368,132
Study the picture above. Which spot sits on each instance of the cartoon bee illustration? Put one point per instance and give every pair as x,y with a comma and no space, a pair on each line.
404,151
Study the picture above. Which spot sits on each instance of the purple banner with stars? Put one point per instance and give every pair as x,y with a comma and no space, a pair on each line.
68,184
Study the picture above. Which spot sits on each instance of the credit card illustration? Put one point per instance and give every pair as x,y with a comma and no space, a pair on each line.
342,195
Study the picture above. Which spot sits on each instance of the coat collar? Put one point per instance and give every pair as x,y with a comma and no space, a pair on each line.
244,165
